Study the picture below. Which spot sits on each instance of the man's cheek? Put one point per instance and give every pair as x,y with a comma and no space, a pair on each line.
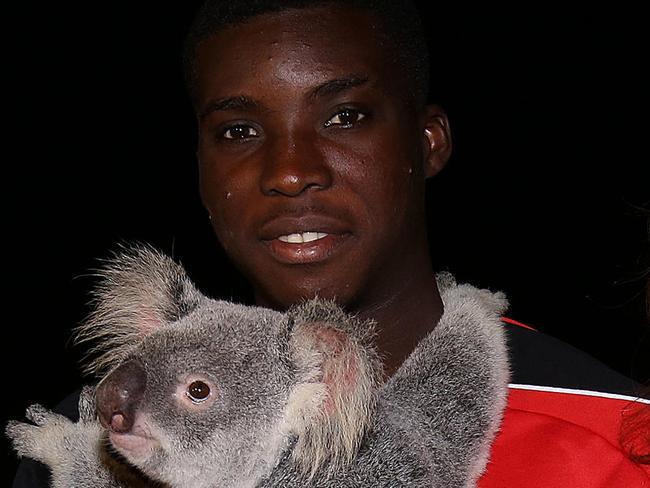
224,224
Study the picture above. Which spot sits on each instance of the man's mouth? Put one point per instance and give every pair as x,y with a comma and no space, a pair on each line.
303,237
308,247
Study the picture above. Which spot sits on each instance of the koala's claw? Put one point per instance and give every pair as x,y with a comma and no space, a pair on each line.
87,405
20,434
38,414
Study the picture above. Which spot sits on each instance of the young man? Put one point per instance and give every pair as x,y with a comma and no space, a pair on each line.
315,142
310,130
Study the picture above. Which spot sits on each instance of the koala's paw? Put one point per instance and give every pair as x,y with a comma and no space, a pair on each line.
37,439
54,439
72,450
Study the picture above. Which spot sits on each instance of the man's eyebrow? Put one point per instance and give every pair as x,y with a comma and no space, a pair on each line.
333,87
240,102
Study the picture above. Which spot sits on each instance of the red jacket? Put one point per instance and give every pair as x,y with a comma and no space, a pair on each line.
563,421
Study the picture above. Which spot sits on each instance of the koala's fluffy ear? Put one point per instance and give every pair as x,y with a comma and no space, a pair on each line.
140,289
339,371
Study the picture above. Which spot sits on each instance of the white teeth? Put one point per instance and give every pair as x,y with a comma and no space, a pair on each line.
302,238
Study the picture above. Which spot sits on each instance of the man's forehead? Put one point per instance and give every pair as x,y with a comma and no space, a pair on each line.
331,36
316,52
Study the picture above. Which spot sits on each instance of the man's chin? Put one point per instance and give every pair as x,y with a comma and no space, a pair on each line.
296,289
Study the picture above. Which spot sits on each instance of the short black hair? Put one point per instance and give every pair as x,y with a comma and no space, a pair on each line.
399,19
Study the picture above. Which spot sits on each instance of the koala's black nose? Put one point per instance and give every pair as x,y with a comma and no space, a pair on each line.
119,394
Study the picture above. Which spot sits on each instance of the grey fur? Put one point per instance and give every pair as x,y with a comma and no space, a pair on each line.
139,289
437,416
296,398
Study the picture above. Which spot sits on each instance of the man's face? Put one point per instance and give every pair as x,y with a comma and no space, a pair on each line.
312,160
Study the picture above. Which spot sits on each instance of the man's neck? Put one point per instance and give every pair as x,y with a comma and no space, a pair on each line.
404,318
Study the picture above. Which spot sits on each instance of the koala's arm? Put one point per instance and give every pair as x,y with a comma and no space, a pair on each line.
32,474
74,452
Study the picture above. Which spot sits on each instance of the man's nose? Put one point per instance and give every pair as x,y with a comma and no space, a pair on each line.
294,166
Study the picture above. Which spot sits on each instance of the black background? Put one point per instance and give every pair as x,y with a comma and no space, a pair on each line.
542,197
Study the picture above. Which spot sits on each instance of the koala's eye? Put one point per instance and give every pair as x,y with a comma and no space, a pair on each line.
198,391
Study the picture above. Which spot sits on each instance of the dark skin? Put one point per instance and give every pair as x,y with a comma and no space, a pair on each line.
313,158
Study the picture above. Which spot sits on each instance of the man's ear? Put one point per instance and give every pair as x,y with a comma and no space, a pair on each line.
436,138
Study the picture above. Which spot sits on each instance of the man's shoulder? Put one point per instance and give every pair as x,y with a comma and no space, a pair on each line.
538,359
555,383
563,419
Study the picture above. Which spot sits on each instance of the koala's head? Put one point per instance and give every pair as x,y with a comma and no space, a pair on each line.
210,393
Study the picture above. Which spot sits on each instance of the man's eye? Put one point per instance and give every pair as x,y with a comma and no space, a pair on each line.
345,118
238,132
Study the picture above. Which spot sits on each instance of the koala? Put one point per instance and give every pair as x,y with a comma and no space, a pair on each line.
204,393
